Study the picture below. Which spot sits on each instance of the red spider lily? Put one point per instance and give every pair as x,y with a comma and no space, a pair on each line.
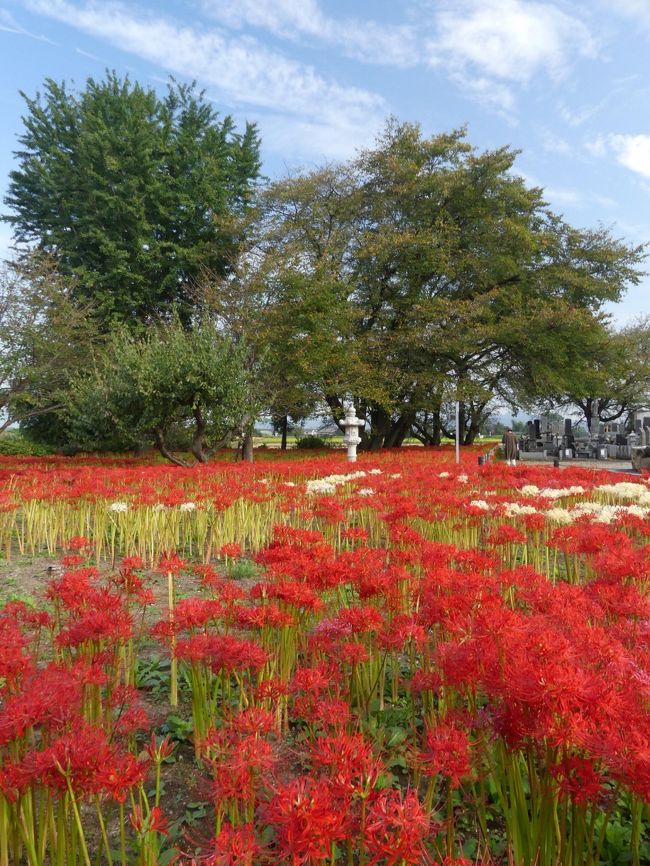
72,560
171,563
222,652
314,680
75,590
14,659
191,613
350,763
87,762
396,829
132,563
402,630
353,653
334,713
446,752
240,762
234,846
50,697
155,822
122,775
361,618
253,720
297,595
108,622
307,820
356,533
159,751
263,616
578,779
506,535
78,542
231,550
271,689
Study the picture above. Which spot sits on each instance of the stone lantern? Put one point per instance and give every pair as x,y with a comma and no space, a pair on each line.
351,437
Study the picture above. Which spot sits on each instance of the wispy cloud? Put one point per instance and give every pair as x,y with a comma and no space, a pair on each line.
365,40
240,69
89,55
8,24
506,42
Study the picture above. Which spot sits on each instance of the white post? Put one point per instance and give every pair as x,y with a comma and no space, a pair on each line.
457,431
351,438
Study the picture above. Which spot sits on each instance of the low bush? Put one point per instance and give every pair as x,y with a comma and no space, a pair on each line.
13,443
311,441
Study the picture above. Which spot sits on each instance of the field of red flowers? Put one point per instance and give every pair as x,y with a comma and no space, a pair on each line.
398,662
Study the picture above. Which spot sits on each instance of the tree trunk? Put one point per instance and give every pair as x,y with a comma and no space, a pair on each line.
399,430
247,447
285,425
588,406
166,453
380,427
199,434
476,418
428,432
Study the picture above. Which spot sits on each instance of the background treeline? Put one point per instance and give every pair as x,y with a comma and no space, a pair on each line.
163,294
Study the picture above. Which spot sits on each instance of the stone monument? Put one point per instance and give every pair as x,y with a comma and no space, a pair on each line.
351,436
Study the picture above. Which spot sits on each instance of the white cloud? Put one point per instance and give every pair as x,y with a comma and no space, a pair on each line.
632,151
506,42
309,142
364,40
488,92
240,69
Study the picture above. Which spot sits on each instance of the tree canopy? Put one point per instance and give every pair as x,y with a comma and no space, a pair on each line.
130,194
446,277
143,390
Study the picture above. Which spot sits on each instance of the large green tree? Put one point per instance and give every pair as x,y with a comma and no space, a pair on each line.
448,278
130,193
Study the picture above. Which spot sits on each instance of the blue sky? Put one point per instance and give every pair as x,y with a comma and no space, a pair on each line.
565,81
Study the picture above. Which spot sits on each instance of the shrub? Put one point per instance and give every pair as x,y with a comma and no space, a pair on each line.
13,443
311,441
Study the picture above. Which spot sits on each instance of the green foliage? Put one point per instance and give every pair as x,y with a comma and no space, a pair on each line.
242,569
13,443
152,674
178,729
428,272
144,388
130,193
44,337
311,441
617,383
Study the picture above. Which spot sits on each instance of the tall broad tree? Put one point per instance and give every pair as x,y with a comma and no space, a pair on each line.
130,192
449,277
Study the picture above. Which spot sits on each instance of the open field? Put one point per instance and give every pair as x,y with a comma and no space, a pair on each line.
303,661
